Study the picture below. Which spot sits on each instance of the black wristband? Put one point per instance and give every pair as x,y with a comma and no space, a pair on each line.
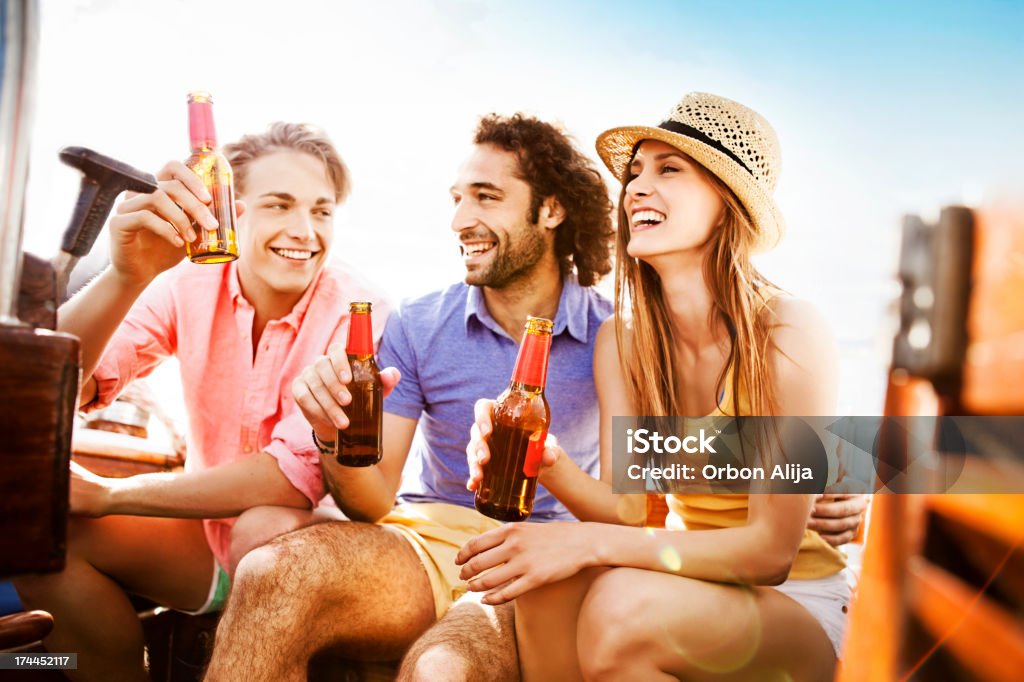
324,448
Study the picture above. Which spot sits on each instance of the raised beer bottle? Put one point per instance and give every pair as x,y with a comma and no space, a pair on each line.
359,445
520,420
219,245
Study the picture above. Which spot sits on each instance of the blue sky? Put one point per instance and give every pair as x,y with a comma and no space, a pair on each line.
929,72
861,41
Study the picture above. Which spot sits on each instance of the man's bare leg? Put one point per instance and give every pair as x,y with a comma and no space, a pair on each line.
357,588
472,642
166,560
260,525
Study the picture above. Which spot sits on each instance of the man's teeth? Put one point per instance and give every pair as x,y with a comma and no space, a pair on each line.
648,217
476,249
293,254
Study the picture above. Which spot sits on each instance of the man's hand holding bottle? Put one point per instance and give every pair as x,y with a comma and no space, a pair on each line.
321,391
149,231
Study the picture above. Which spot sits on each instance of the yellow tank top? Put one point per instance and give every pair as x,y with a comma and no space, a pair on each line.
815,558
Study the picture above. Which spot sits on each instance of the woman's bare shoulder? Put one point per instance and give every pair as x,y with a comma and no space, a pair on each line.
606,342
792,319
805,357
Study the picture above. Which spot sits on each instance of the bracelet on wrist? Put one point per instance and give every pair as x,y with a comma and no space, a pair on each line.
325,448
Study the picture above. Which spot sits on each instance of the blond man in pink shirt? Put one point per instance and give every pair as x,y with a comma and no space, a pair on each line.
242,332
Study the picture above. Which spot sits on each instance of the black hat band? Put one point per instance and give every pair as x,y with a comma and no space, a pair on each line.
691,132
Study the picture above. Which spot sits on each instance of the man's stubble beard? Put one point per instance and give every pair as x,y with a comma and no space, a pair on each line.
515,263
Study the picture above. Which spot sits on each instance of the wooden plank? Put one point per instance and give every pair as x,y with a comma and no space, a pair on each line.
994,369
973,556
657,511
123,446
120,455
873,644
117,467
999,516
983,637
871,649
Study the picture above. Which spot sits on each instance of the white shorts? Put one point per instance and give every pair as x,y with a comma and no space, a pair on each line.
827,599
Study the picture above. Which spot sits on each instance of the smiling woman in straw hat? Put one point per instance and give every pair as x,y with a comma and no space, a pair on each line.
748,593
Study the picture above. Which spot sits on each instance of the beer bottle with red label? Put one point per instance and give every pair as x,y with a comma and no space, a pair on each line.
520,420
219,245
359,445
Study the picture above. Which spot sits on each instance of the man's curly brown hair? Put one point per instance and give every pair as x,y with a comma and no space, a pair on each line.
552,166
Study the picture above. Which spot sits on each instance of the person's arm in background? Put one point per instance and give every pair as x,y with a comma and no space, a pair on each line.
837,517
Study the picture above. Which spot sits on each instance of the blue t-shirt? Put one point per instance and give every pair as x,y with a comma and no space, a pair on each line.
451,353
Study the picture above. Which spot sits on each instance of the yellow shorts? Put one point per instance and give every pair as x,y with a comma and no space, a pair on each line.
437,531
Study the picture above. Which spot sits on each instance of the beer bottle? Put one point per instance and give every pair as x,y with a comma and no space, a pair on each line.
359,445
219,245
520,420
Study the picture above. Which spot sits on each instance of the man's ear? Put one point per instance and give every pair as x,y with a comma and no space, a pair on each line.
551,213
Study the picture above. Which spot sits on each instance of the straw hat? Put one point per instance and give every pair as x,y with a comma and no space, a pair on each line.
735,143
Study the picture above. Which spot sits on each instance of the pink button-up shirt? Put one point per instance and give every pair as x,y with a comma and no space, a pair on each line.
238,404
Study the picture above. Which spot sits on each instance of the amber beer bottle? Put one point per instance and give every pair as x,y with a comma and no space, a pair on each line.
219,245
520,420
359,445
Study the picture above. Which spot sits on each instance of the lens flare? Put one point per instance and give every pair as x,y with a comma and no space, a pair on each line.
631,509
670,558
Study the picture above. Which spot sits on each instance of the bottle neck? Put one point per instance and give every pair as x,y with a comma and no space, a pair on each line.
360,335
516,386
531,372
201,133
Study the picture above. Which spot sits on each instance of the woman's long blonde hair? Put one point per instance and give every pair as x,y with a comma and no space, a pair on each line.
650,358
